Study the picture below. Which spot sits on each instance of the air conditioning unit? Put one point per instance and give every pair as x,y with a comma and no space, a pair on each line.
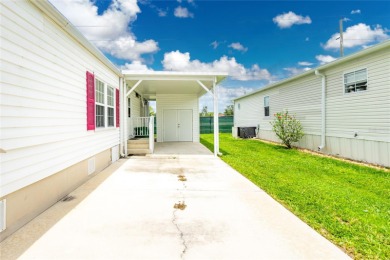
247,132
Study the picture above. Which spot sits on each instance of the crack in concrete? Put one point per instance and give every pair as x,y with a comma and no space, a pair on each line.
183,241
181,205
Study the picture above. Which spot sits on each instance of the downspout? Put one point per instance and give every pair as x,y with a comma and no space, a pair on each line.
323,109
122,117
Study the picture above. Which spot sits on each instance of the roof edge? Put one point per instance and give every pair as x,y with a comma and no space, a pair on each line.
47,8
355,55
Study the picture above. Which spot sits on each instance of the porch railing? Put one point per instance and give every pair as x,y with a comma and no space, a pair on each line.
142,127
138,126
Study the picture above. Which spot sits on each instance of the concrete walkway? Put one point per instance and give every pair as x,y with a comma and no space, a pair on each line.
168,208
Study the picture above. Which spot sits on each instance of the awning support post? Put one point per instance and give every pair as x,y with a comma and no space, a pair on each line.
216,124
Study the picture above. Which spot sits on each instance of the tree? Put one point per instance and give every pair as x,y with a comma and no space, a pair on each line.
229,110
287,128
204,111
151,111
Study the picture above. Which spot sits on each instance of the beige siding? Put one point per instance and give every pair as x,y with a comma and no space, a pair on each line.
177,101
43,98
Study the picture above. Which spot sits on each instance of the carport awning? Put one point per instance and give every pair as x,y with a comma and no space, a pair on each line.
149,84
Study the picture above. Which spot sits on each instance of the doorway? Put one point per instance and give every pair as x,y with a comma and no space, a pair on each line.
177,125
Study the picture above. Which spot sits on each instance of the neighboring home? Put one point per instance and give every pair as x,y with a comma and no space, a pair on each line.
67,112
344,106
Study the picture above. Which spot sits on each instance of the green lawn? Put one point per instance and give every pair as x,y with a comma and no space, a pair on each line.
347,203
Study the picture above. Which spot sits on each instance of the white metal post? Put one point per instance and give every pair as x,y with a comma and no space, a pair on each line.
216,124
125,116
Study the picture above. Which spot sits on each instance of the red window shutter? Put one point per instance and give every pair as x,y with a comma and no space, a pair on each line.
117,107
90,101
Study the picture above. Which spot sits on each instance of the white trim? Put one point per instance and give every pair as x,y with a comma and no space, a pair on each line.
204,87
133,88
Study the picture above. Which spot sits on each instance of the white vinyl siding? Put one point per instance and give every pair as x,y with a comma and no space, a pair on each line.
177,101
306,107
357,125
43,98
365,112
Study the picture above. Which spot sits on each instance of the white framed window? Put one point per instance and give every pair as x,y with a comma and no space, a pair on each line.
355,81
105,105
110,106
266,106
100,104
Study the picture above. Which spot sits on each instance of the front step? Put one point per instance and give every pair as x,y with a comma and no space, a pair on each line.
138,151
138,146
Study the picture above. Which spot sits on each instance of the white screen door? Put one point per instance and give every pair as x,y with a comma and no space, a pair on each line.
177,125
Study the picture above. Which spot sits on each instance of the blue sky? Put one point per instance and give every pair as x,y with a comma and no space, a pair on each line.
256,42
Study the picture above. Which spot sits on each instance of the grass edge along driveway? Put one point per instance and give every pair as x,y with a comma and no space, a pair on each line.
348,204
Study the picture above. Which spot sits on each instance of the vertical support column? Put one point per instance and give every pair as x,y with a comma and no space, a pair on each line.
121,126
124,113
216,124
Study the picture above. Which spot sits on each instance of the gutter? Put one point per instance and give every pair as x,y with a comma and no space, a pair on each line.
323,108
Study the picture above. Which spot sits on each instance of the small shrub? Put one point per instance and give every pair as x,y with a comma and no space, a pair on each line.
287,128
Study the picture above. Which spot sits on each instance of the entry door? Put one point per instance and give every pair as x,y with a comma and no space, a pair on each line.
177,125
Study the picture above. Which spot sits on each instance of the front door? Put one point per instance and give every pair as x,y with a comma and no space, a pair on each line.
177,125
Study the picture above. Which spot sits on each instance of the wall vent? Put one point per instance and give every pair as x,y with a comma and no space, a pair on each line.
2,215
91,165
114,154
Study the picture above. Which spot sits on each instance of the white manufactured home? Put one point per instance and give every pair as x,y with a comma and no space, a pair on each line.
67,112
344,106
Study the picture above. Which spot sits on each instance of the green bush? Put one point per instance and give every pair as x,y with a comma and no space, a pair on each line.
287,128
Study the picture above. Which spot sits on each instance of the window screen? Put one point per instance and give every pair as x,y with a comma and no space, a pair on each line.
355,81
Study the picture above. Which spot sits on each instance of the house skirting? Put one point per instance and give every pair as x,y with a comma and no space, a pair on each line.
27,203
370,151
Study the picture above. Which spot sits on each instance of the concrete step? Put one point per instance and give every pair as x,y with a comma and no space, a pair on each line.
137,145
138,141
138,151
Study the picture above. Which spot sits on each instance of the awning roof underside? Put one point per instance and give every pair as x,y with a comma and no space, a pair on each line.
166,82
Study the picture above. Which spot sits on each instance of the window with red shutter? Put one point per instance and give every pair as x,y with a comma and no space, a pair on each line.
117,107
90,101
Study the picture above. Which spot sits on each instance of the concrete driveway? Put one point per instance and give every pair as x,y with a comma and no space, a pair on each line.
171,207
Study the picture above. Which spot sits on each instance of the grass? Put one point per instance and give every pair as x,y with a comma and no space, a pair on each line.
348,204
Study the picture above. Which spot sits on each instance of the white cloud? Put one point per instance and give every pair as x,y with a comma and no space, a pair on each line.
215,44
162,13
294,71
225,97
178,61
109,31
305,63
286,20
345,19
182,12
238,46
357,11
357,35
325,59
136,66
